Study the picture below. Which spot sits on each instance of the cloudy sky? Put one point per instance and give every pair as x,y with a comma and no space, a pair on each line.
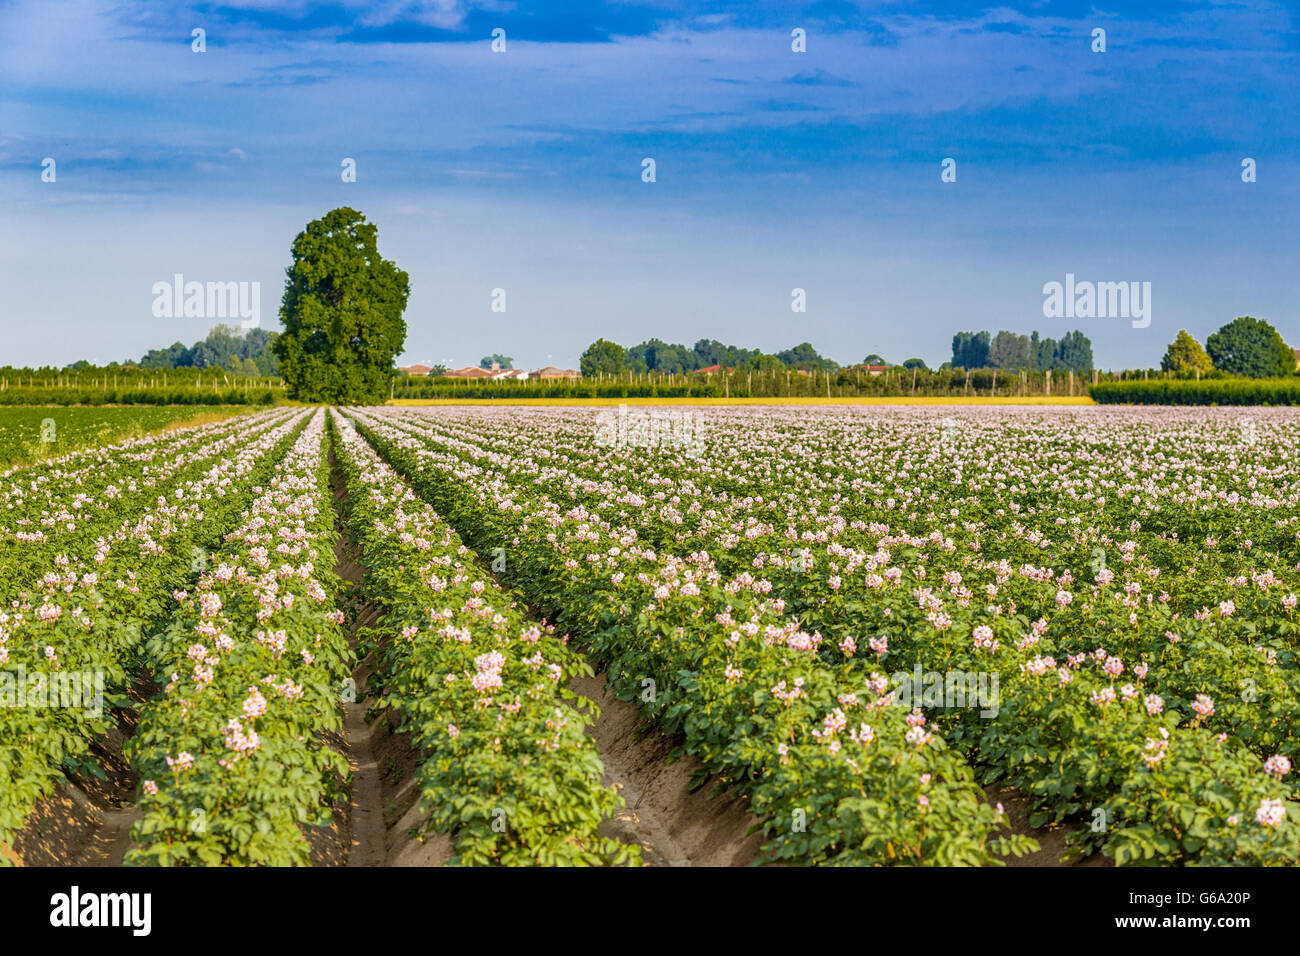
775,169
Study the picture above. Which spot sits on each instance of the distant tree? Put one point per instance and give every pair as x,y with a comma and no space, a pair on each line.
660,356
502,361
711,352
1074,352
77,366
1185,357
267,363
804,356
438,370
249,368
874,359
1012,352
254,342
762,362
205,355
603,357
1250,347
342,313
175,355
970,350
222,343
671,357
916,363
653,355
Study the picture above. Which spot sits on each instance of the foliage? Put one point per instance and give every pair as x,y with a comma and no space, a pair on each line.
85,590
1217,391
508,770
1149,689
1250,347
32,433
891,797
1012,352
655,355
1185,357
970,350
602,357
230,755
342,313
225,347
804,356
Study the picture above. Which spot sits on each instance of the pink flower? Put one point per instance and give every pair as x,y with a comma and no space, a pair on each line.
1270,813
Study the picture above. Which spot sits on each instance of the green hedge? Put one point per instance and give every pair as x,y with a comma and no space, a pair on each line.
171,395
1222,391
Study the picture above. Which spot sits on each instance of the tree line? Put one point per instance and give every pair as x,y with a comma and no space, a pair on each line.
609,359
1013,352
1246,347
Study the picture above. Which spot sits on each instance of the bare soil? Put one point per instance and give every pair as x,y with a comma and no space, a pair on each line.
383,811
87,820
672,825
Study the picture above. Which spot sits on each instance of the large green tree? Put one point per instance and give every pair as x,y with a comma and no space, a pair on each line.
603,357
1250,347
1185,356
342,313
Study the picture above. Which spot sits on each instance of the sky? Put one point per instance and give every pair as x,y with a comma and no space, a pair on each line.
775,169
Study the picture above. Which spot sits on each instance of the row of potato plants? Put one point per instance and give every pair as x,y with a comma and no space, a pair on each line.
507,768
231,754
68,505
838,770
69,647
1063,776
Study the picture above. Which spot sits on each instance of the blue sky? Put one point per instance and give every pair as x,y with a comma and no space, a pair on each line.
775,170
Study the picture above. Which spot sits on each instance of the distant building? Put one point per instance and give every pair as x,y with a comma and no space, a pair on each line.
877,369
509,374
551,372
414,369
469,371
